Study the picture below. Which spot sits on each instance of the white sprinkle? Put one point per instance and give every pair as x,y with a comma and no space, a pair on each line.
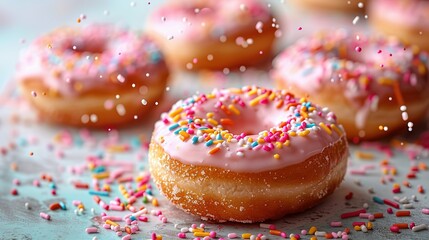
144,102
163,19
403,108
360,5
184,230
106,12
210,57
117,96
355,20
84,118
33,93
120,109
408,206
404,116
420,227
27,206
147,74
132,4
93,118
120,78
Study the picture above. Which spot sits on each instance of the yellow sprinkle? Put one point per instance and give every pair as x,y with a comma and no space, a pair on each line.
155,202
357,228
111,223
369,225
217,141
304,133
210,115
287,143
214,150
250,139
324,127
312,230
272,96
251,92
313,238
184,135
172,114
246,235
257,99
80,206
194,230
292,133
106,187
176,118
212,122
184,122
364,155
102,175
303,100
293,238
208,130
233,109
336,129
210,96
311,109
393,171
201,234
279,145
158,237
261,140
396,185
304,114
276,156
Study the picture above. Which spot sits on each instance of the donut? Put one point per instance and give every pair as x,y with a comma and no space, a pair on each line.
94,76
405,19
334,5
247,154
213,34
375,85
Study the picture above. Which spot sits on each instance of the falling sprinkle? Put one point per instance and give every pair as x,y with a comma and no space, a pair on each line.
355,20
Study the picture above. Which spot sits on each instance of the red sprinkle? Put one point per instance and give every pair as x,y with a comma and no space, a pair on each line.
352,214
391,203
14,192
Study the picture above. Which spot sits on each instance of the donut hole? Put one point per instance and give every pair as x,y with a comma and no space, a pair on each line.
251,121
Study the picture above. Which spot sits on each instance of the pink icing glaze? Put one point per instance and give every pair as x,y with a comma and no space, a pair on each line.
200,20
361,66
74,60
236,152
411,13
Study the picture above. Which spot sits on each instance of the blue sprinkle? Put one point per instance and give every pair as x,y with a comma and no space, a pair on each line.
133,218
297,114
155,56
99,193
149,192
63,206
254,144
310,125
174,126
297,124
194,140
135,142
78,142
219,137
209,143
178,131
377,200
99,169
53,186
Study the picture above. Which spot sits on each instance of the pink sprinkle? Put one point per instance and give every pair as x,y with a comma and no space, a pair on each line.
389,210
379,51
45,216
232,235
91,230
181,235
16,182
394,229
300,28
36,183
333,224
358,49
425,211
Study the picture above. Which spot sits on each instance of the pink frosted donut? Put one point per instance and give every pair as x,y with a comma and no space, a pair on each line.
405,19
247,154
214,34
95,76
374,85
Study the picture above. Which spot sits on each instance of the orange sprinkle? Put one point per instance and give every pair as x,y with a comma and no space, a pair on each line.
155,202
280,104
401,225
291,105
234,109
214,150
275,232
225,110
226,121
423,166
384,162
378,215
364,155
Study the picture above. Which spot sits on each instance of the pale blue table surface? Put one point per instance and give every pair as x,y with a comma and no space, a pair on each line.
25,20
